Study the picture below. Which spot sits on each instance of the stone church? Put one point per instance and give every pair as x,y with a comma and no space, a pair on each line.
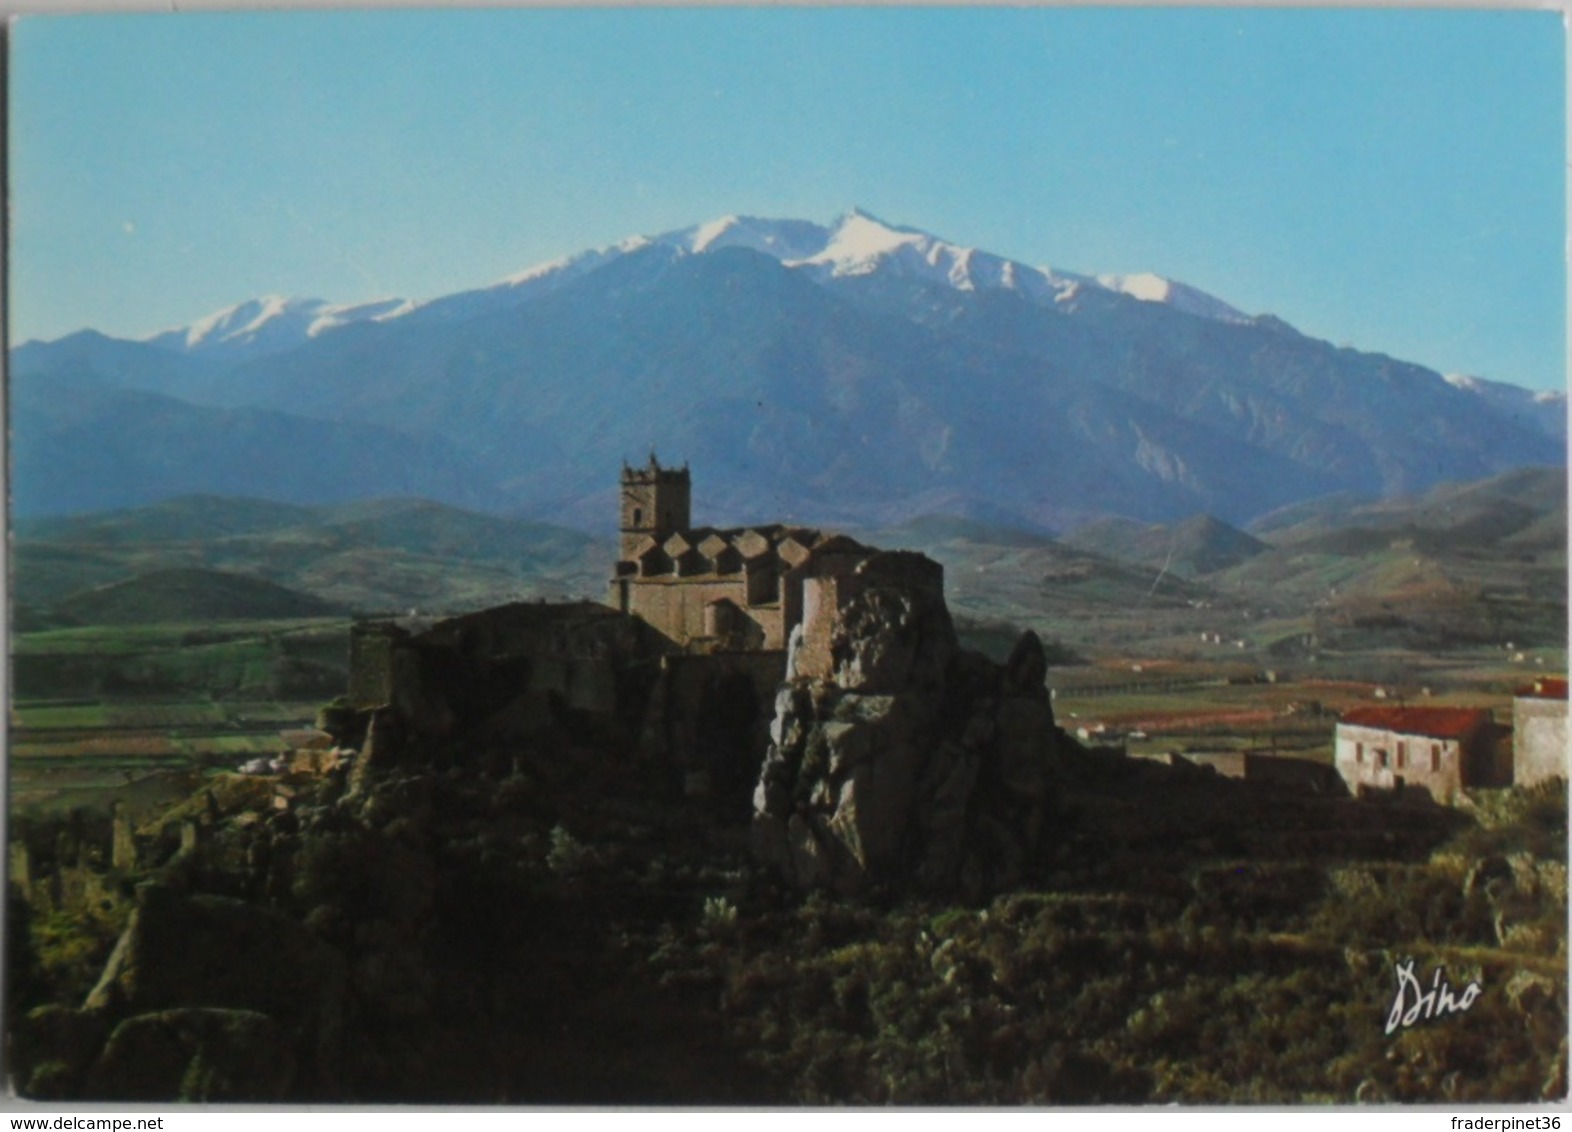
710,590
701,627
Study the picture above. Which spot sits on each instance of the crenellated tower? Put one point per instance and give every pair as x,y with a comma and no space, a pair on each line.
656,501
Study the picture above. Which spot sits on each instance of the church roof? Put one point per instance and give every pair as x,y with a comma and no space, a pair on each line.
787,544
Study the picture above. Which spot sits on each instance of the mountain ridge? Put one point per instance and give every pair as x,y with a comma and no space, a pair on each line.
854,374
857,243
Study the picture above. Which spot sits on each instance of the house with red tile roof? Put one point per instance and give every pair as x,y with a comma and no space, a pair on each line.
1439,749
1539,731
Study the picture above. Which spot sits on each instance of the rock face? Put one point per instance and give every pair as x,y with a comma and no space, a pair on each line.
205,998
210,978
198,1054
912,762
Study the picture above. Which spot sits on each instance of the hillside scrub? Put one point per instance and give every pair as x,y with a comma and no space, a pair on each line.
567,928
1263,983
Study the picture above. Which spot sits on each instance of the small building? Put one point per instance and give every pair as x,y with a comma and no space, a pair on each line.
1442,750
1539,731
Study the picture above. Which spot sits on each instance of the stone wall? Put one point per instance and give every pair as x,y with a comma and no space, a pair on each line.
371,662
677,606
513,664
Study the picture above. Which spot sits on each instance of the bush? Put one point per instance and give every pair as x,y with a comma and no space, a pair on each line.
567,854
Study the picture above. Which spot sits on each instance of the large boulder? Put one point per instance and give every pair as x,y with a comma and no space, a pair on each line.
184,951
894,632
915,763
199,1054
51,1049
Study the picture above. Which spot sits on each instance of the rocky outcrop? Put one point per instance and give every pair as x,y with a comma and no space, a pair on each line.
205,998
200,951
197,1054
276,988
52,1048
209,981
914,762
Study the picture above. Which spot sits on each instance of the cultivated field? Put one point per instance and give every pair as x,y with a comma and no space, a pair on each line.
131,712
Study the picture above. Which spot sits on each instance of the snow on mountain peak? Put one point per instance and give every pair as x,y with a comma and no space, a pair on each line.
784,240
1503,393
243,318
574,264
1151,288
236,323
1146,287
271,323
859,244
374,310
706,234
860,240
856,245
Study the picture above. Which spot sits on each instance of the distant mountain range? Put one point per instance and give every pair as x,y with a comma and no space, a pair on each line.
1481,562
183,558
858,374
1462,564
188,595
1197,546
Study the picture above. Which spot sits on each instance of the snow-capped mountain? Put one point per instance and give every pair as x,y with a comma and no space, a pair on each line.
856,372
857,246
860,244
267,325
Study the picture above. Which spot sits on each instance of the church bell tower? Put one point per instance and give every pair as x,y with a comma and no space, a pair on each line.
655,502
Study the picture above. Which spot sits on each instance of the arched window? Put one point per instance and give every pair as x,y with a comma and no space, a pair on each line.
638,516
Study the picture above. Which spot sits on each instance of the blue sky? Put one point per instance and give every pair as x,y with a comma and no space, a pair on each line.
1392,180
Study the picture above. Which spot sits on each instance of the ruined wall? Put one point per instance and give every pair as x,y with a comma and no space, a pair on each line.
515,665
677,595
371,663
821,602
1229,764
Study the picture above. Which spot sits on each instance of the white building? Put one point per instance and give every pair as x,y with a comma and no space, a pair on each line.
1539,731
1442,750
